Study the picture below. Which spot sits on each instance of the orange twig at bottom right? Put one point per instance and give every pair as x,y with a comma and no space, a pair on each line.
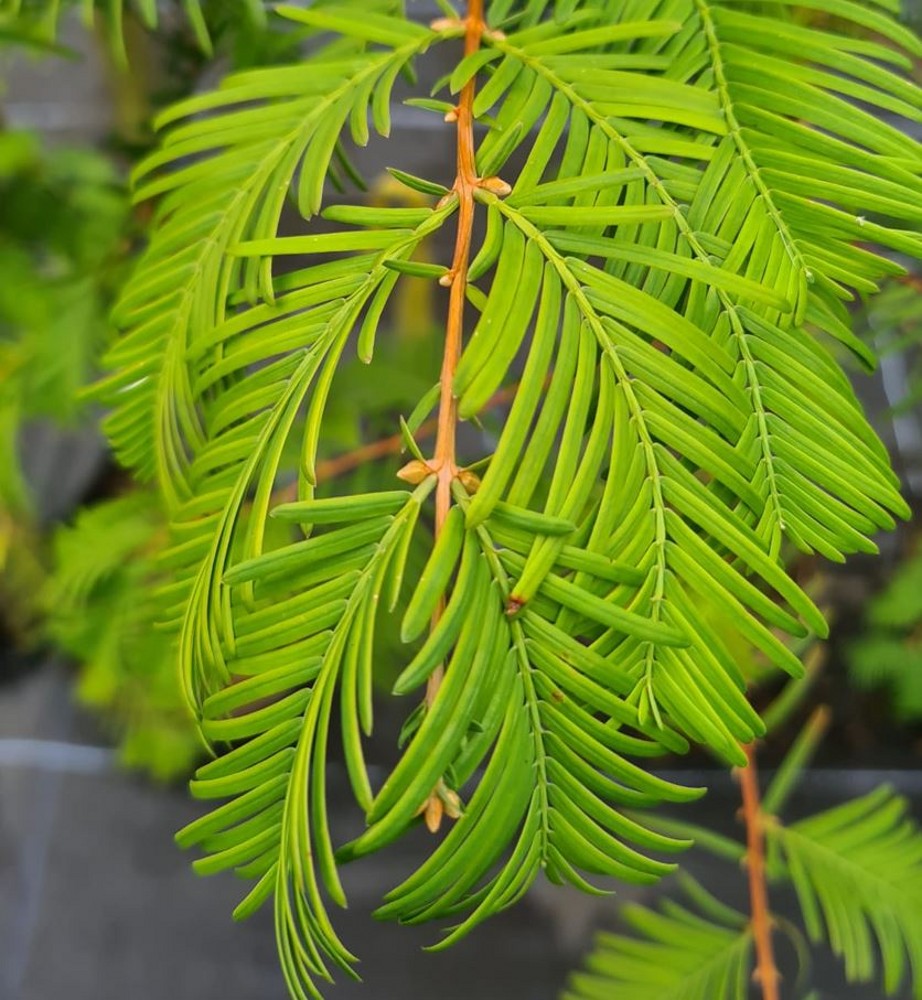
766,969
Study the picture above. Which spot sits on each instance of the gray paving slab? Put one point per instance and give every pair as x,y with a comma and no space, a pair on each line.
35,709
120,915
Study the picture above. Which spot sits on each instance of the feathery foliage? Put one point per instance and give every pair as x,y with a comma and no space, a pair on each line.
857,873
683,954
857,870
663,278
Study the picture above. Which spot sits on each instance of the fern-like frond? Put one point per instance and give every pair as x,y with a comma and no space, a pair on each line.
675,953
857,870
249,141
248,424
296,621
695,213
633,405
697,340
553,789
815,162
310,630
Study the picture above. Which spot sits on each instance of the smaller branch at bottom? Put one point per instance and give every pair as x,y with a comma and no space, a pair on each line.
766,973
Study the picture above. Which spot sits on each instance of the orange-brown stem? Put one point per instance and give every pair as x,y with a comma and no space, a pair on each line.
766,969
444,462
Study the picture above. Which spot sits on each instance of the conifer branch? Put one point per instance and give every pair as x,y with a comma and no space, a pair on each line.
672,415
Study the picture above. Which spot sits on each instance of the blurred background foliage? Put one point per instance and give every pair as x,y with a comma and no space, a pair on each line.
63,228
68,233
886,654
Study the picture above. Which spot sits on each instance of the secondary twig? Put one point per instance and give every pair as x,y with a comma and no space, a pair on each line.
766,970
393,444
